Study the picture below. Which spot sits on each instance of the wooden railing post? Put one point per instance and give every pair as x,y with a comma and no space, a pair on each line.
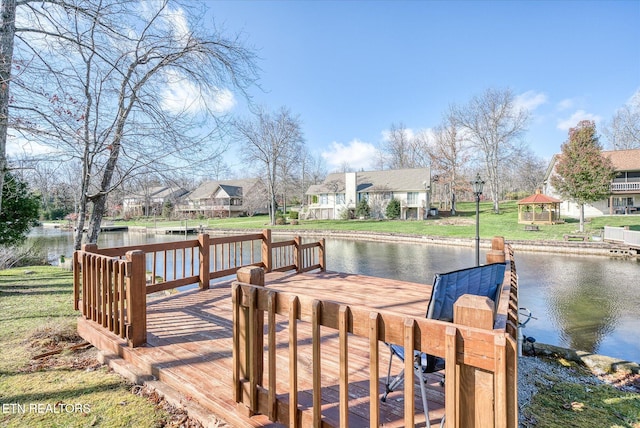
76,266
496,254
297,255
322,256
89,248
252,330
475,390
136,298
203,248
266,250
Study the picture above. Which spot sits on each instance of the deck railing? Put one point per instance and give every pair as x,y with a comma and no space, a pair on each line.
479,348
111,284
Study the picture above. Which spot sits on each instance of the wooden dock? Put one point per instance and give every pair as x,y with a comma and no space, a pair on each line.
288,343
189,345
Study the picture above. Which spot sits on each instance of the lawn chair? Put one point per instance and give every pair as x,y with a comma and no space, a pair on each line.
447,288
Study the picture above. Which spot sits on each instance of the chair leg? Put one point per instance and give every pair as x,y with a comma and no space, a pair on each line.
423,392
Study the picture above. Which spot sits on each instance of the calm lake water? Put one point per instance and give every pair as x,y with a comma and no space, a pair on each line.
580,302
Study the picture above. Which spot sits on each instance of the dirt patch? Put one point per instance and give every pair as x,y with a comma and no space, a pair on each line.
55,347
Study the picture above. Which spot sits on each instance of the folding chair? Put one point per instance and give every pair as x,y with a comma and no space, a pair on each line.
447,288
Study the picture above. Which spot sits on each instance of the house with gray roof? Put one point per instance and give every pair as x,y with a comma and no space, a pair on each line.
228,198
150,200
625,187
340,193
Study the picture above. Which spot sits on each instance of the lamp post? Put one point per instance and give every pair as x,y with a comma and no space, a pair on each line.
477,191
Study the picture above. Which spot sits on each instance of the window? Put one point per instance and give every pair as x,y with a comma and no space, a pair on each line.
340,198
324,199
412,198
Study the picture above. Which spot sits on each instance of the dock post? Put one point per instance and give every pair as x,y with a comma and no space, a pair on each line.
203,247
475,390
136,298
496,254
252,352
297,255
266,250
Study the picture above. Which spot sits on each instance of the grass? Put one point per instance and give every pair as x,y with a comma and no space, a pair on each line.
560,403
67,390
462,225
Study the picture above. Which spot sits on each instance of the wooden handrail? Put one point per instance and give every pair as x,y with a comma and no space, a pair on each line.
479,349
99,273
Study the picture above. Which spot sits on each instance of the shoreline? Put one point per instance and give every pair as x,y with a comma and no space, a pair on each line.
600,248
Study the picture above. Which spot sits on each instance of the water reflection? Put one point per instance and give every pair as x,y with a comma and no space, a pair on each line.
587,303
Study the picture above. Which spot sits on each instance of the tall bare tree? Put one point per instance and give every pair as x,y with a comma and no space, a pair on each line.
403,149
124,86
7,31
493,126
448,155
271,142
623,132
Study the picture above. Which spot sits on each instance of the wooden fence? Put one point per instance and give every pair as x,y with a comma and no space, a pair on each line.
479,348
111,284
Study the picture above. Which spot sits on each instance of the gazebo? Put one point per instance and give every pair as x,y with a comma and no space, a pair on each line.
539,209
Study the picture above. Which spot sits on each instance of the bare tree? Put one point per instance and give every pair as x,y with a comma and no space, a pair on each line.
623,132
271,142
448,156
403,149
493,125
124,86
7,31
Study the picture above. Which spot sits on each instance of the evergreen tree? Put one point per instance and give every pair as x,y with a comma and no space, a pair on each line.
393,209
19,211
362,209
583,175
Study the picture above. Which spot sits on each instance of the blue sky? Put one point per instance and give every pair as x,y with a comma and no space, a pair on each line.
350,69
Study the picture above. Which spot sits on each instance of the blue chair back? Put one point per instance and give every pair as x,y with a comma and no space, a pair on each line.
448,287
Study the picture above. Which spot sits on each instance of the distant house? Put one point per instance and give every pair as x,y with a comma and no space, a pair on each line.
340,193
149,201
229,198
625,187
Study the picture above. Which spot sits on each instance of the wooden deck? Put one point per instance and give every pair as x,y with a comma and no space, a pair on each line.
189,347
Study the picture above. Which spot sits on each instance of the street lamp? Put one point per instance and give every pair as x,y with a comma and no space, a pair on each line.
477,190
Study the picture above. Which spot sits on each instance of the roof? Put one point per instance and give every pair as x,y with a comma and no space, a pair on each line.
231,190
624,160
157,192
208,188
539,198
410,180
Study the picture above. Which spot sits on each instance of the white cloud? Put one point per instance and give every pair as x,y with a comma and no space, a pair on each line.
571,122
182,95
357,155
565,104
530,100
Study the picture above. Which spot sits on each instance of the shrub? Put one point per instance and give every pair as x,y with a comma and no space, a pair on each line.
363,210
293,215
393,209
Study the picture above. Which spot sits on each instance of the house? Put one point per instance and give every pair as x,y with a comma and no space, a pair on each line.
339,194
625,187
229,198
149,201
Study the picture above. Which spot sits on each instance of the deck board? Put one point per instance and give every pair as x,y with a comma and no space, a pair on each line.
189,346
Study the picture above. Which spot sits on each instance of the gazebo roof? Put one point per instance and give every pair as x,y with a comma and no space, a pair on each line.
539,198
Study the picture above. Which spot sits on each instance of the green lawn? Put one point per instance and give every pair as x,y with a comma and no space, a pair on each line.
461,226
67,390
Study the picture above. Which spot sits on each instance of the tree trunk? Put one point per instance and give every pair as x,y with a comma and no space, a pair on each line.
581,218
7,32
93,231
